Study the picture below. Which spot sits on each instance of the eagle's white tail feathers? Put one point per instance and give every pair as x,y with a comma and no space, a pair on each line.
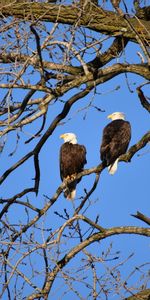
70,189
71,195
113,168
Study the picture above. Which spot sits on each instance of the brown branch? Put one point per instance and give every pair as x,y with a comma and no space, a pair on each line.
74,251
11,57
26,204
37,134
22,107
94,18
37,38
12,200
143,13
135,148
143,295
37,173
77,210
142,42
18,105
142,217
116,47
78,217
143,99
114,51
116,69
115,4
15,166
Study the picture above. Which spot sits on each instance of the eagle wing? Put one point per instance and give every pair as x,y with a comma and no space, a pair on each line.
72,159
115,141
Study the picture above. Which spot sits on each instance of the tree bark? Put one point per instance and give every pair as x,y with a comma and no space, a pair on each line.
91,16
74,251
143,295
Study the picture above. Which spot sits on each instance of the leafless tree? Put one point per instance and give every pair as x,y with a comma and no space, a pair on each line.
51,58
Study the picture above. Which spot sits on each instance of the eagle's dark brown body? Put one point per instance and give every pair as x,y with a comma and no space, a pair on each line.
115,141
72,161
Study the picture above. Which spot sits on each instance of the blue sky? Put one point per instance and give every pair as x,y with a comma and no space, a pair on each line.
116,197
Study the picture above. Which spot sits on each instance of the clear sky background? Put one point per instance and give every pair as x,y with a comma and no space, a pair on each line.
116,197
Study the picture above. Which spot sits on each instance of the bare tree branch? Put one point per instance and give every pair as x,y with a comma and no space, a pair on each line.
74,251
143,99
143,295
142,217
96,18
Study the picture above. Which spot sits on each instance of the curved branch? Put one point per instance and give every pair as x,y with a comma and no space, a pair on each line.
135,148
12,200
112,71
142,217
11,57
78,217
88,194
93,17
143,99
143,295
100,60
112,52
75,250
15,166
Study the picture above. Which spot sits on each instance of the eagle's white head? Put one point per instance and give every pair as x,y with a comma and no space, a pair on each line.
116,116
69,137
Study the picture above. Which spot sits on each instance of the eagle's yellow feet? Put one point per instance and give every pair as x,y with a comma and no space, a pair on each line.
73,176
70,177
67,178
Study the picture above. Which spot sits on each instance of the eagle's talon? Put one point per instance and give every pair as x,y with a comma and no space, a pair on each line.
73,176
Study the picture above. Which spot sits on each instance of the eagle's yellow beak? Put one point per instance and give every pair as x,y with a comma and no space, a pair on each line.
109,116
62,136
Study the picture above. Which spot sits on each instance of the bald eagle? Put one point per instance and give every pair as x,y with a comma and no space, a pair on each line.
72,161
115,140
